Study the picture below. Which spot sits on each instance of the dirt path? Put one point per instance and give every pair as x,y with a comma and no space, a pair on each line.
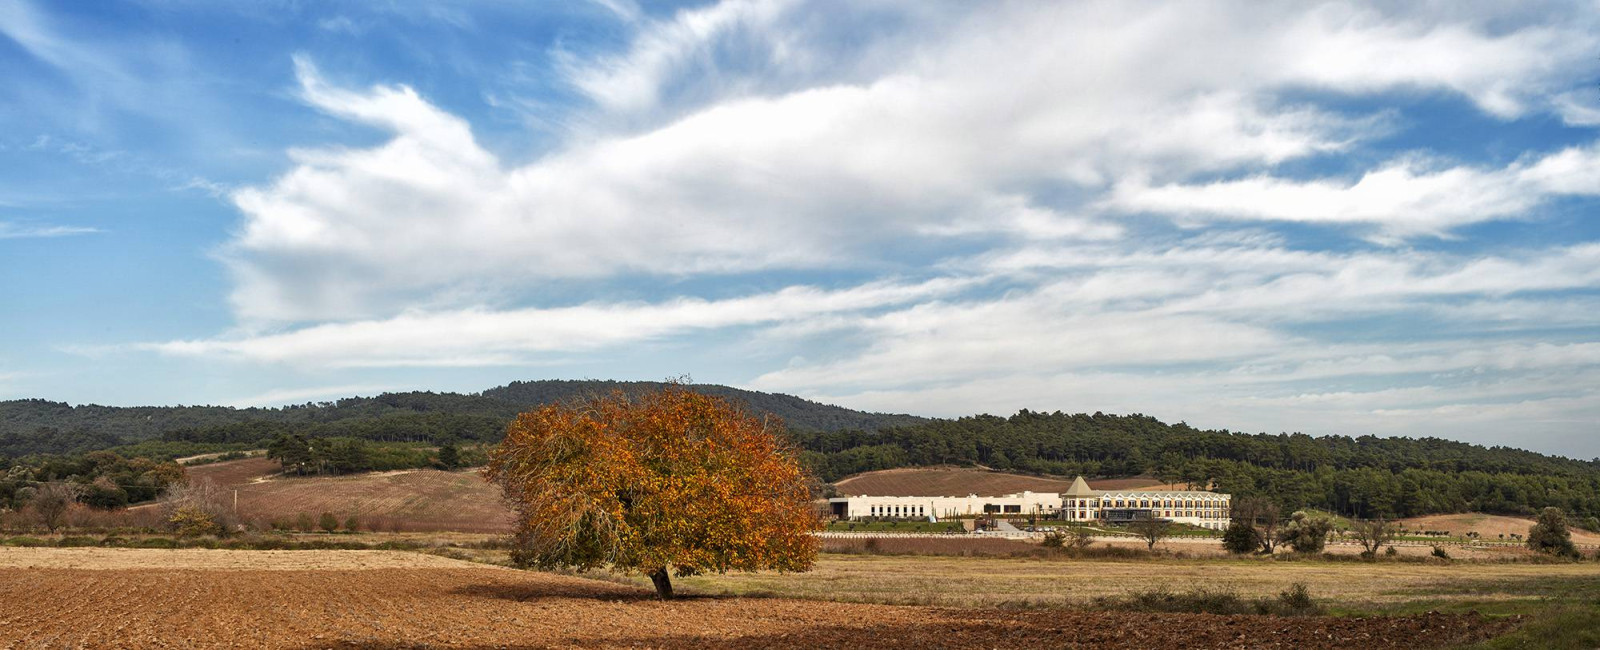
269,605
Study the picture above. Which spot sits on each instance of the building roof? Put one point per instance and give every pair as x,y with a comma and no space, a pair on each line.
1080,488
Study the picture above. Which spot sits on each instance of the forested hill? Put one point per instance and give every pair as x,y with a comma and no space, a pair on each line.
1361,476
40,426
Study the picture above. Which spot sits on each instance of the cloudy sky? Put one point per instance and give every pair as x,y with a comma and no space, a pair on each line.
1329,218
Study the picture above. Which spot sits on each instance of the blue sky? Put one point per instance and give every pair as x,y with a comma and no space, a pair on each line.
1338,218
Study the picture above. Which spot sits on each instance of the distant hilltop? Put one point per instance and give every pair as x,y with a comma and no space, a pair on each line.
41,426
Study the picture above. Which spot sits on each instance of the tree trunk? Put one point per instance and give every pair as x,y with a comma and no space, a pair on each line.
663,581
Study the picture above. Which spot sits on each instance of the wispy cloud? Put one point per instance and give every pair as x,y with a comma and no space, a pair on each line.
12,230
283,396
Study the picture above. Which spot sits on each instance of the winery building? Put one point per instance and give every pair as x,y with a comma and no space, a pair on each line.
1040,504
1194,507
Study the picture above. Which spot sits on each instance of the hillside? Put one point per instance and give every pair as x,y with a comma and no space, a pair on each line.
1489,527
40,426
961,481
412,500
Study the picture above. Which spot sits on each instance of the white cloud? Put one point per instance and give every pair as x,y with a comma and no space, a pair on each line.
1401,199
946,123
476,337
11,230
282,396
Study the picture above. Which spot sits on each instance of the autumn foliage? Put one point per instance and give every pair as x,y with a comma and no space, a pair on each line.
662,483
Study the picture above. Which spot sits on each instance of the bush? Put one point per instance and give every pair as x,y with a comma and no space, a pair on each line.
1391,551
1306,532
68,542
198,508
1054,539
350,523
327,522
1294,601
192,521
1241,537
1439,552
1549,534
26,541
303,523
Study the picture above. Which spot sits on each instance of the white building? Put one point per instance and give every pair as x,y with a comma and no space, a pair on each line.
1043,504
1197,508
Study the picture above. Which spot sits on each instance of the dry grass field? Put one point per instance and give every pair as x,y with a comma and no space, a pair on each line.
343,599
1012,582
414,500
961,481
1487,526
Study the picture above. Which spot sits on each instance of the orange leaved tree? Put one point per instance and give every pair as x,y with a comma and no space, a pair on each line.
662,483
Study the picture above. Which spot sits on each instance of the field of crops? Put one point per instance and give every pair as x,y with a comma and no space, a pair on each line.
154,598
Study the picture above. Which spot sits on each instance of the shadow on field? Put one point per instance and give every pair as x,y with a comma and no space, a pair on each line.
524,592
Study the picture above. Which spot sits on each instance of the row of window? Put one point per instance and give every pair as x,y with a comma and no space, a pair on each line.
1212,513
1146,503
899,511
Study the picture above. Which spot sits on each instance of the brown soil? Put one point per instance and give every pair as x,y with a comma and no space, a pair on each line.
961,481
416,500
472,607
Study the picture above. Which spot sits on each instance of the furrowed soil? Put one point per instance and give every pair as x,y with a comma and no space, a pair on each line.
334,599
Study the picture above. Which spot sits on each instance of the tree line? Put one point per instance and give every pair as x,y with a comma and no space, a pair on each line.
1364,476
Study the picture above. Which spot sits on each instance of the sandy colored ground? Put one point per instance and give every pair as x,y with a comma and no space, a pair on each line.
980,581
480,607
120,559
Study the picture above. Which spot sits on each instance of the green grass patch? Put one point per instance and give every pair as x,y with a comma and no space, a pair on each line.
895,527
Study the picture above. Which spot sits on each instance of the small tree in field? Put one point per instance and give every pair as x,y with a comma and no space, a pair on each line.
1306,532
1372,534
327,522
198,508
1261,515
1241,537
50,503
669,482
1152,531
1549,534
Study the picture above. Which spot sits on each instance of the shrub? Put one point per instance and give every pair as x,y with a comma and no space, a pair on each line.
1439,552
1054,539
191,521
67,542
1294,601
327,522
1391,551
350,523
26,541
198,508
1241,537
1549,534
1305,532
303,523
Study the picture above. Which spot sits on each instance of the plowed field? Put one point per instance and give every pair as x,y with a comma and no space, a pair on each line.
440,604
